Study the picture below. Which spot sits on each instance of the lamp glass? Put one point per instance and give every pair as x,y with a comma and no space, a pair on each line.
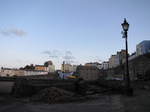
125,25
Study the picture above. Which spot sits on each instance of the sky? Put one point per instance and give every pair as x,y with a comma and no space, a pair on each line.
74,31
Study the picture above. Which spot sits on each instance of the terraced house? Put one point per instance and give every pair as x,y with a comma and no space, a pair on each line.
88,72
8,72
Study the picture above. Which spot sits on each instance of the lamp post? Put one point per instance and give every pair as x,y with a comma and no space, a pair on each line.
63,69
142,68
125,27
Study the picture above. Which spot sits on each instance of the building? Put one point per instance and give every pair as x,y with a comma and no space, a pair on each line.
50,68
17,72
40,67
139,66
64,75
103,65
112,61
116,73
110,73
8,72
132,56
92,64
99,66
116,60
73,68
48,63
88,72
35,72
67,67
143,47
119,56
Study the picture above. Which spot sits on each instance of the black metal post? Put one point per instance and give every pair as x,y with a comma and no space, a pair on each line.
142,76
129,91
127,65
63,69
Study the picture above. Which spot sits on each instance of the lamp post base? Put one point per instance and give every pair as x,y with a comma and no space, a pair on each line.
129,91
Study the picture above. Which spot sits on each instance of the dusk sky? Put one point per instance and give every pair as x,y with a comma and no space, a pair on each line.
74,31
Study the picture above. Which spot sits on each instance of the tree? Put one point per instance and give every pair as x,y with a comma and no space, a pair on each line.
31,67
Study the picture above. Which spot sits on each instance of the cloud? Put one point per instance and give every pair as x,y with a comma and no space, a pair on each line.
12,32
98,58
53,53
47,52
5,33
17,32
68,57
70,61
18,61
68,53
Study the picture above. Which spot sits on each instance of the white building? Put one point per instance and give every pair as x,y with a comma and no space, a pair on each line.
35,72
105,64
49,66
50,69
143,47
67,67
8,72
99,66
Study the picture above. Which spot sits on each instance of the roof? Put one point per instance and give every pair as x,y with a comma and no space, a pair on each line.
87,67
40,65
7,69
147,55
36,71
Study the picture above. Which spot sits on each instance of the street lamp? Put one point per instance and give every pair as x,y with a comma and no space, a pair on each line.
63,69
125,27
142,68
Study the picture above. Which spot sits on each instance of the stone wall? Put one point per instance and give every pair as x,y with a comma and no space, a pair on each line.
136,85
49,76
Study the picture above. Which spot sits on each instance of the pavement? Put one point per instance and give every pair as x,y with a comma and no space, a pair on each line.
139,102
